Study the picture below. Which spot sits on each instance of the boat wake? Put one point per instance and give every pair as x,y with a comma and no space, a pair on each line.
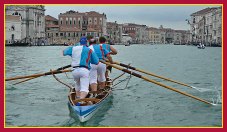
202,89
216,99
214,94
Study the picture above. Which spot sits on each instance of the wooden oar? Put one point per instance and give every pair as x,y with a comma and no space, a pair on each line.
152,81
61,68
152,74
37,75
25,80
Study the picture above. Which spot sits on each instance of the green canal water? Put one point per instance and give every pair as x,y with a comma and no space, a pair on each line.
42,102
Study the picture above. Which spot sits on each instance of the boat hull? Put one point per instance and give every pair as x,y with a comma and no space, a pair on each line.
84,113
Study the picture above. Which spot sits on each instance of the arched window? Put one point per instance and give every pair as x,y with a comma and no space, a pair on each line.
12,28
193,20
17,14
70,21
61,21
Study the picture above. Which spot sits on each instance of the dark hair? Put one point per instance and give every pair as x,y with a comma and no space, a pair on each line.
89,37
92,41
102,39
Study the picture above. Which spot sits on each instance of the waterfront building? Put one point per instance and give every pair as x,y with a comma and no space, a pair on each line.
73,25
167,34
138,33
142,33
217,27
12,29
114,32
154,35
180,37
206,26
32,22
52,30
130,29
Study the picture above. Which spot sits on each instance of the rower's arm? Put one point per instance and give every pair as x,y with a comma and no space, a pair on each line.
113,50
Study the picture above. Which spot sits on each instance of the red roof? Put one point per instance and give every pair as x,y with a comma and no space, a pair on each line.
50,18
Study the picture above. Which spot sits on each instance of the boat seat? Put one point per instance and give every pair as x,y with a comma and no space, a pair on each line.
94,100
94,92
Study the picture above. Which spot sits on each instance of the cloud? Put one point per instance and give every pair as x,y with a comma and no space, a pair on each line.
157,15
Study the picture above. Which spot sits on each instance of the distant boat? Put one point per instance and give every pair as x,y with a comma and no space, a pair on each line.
66,44
126,39
128,43
23,42
18,44
201,46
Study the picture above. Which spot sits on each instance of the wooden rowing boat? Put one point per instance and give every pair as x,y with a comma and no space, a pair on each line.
86,108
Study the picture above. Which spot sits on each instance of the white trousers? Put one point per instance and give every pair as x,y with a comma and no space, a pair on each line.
97,72
81,78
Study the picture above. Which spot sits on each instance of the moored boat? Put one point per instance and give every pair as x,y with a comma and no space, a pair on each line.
201,46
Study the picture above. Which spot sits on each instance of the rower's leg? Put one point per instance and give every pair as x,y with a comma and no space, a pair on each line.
93,86
93,78
84,82
101,70
102,85
83,94
77,87
108,70
76,77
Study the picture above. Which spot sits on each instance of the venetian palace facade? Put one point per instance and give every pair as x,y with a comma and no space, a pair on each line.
71,25
25,23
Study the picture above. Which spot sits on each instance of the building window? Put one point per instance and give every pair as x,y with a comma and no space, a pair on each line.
12,28
100,21
56,34
66,21
95,21
61,34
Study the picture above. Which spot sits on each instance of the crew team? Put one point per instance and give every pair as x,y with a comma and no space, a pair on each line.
87,70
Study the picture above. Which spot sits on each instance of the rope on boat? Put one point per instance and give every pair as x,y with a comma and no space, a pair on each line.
69,86
118,76
128,78
67,76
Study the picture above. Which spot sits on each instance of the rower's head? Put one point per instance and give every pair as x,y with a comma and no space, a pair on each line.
102,40
83,41
92,41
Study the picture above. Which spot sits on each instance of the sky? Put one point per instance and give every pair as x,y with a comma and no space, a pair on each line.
170,16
